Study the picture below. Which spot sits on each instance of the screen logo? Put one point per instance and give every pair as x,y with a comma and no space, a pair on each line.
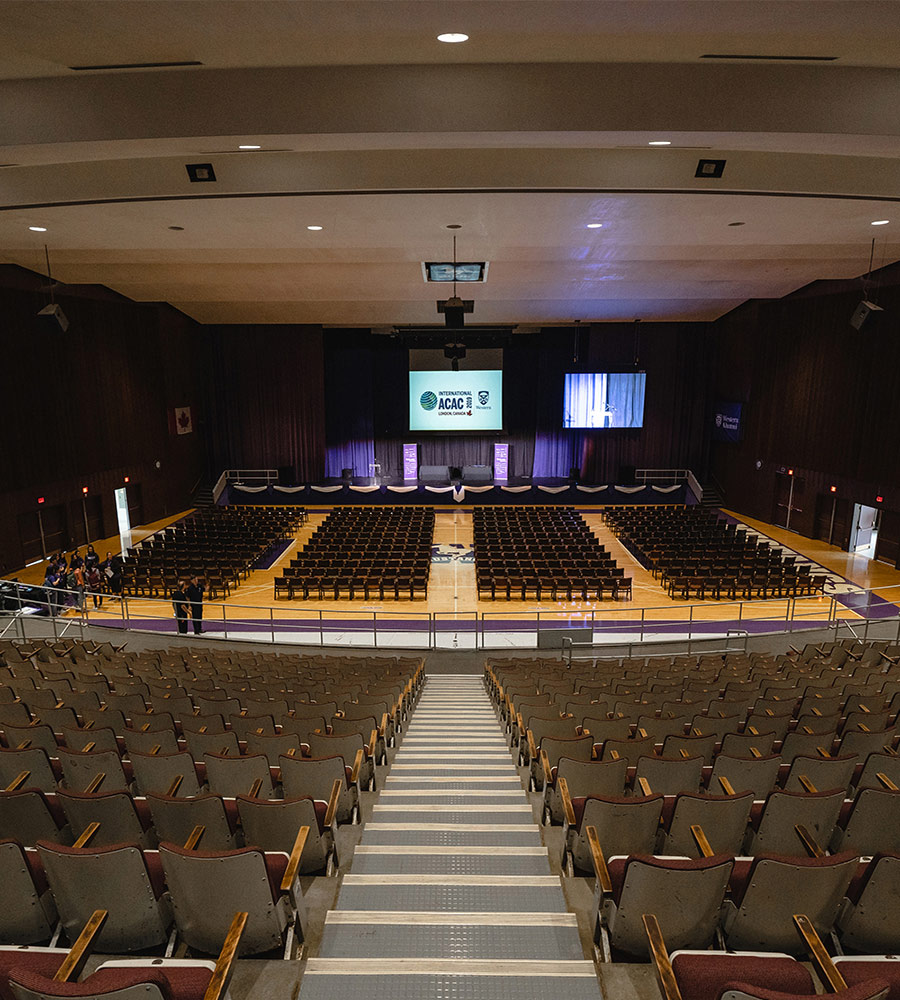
428,400
483,396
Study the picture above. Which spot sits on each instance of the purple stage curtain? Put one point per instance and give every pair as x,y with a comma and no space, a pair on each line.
349,423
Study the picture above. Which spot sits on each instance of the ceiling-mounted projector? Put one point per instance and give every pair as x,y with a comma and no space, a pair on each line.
53,319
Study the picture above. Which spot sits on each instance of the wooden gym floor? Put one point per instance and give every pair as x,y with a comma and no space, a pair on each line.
452,581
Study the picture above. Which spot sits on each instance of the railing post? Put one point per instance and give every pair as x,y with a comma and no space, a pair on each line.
321,627
224,621
375,629
272,623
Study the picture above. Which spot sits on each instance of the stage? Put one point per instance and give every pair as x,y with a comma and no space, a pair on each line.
514,491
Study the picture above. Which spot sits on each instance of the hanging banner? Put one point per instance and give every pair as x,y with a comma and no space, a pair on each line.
410,461
501,462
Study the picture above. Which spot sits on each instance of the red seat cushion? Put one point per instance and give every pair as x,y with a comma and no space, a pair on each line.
863,991
184,983
45,963
702,976
859,972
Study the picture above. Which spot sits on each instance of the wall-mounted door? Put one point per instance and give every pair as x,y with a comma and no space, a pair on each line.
789,492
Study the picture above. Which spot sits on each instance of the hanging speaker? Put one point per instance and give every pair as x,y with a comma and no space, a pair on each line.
865,314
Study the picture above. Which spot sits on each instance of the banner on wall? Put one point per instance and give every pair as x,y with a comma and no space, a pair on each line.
180,420
501,462
410,461
727,422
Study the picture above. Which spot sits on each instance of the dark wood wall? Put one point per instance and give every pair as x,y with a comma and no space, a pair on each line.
91,406
820,398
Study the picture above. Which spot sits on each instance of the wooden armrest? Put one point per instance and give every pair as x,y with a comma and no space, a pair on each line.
614,754
700,839
202,729
794,649
822,752
24,745
73,964
821,960
600,870
254,788
89,724
755,752
218,983
194,837
865,709
532,749
384,721
807,784
770,713
727,787
807,730
290,873
808,841
862,726
155,750
696,731
172,790
332,803
887,748
642,732
684,753
373,739
568,810
145,727
752,730
548,771
86,834
644,786
665,974
96,782
18,781
816,712
886,781
88,747
357,764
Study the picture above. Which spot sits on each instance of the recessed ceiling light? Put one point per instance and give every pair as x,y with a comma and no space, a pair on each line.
315,229
881,222
43,229
659,142
249,147
595,225
452,37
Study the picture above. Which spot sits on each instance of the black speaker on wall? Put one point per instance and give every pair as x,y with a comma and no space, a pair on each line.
865,315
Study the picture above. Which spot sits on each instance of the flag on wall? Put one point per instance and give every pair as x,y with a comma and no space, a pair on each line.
180,421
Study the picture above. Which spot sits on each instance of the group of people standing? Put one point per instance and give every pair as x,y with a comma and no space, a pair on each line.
67,580
187,600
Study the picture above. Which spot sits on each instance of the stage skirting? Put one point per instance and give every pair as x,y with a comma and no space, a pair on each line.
331,494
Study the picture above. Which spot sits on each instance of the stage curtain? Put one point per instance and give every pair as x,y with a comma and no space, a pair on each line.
266,399
349,414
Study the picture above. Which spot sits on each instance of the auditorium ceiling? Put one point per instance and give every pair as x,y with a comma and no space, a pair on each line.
371,129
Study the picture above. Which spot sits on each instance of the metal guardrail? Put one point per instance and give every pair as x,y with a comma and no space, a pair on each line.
608,624
264,476
671,476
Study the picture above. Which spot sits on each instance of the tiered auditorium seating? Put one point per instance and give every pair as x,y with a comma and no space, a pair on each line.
220,544
695,552
366,553
173,789
721,793
542,552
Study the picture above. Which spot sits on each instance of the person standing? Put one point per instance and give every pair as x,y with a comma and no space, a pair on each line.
180,604
194,594
94,582
78,574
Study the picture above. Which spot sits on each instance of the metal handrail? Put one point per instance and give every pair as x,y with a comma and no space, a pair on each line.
635,625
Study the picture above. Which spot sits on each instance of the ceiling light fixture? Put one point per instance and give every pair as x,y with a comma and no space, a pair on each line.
594,225
43,229
881,222
659,142
315,229
249,147
453,37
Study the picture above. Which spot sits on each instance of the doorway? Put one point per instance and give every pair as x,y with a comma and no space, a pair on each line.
789,490
864,530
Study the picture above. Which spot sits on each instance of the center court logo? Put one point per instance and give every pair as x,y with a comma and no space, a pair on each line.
428,400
